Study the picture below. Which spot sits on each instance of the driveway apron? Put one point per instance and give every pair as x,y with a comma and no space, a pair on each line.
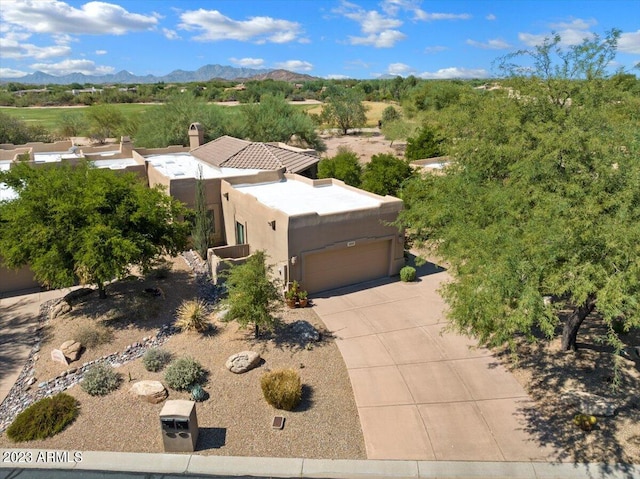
423,393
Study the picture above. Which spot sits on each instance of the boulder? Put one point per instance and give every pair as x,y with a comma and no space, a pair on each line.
305,331
59,357
592,404
71,349
150,391
77,294
242,362
59,309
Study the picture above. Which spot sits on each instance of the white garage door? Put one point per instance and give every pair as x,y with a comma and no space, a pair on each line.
344,266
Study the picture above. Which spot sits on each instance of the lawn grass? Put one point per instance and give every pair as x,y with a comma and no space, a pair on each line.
50,117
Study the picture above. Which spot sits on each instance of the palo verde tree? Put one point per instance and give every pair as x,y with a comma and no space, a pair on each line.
540,208
385,174
345,166
343,108
84,224
252,296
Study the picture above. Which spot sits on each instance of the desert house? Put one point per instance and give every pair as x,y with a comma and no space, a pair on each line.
262,196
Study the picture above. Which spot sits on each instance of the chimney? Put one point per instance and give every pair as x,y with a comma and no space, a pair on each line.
196,135
126,147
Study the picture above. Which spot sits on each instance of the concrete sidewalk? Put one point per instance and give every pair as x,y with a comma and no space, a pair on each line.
18,323
423,394
177,465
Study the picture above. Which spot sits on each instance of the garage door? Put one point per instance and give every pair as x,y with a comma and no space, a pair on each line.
344,266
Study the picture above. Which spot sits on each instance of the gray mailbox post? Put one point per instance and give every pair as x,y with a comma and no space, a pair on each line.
179,426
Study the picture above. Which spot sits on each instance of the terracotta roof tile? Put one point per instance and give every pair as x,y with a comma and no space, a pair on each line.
235,153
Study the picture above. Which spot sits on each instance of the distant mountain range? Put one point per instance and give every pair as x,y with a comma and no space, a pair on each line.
205,73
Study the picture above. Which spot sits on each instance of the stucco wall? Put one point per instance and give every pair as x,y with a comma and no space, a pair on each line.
13,282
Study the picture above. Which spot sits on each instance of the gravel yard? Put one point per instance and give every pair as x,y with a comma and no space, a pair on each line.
235,420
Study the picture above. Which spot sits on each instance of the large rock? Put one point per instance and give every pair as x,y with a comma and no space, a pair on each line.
242,362
305,331
71,349
59,357
77,294
59,309
592,404
150,391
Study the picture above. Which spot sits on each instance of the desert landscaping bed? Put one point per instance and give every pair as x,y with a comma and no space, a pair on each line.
235,420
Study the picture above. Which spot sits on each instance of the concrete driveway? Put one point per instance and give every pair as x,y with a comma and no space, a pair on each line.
423,394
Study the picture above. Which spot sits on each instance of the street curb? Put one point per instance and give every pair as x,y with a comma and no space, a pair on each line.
230,466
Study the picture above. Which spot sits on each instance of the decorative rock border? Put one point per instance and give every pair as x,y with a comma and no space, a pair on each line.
24,392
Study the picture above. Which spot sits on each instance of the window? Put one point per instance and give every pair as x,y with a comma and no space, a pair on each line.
240,238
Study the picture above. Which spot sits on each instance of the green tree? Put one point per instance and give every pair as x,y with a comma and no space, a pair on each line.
13,130
105,121
426,144
84,224
274,119
385,174
344,166
202,232
390,114
71,124
398,130
540,207
343,108
252,296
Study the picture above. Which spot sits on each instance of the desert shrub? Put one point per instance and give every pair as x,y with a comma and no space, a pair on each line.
92,335
44,418
408,273
156,359
183,373
198,394
192,315
282,388
100,380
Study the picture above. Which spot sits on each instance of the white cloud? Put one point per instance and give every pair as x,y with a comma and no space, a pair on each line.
386,39
571,33
378,29
170,34
12,48
215,26
72,66
435,49
336,76
9,73
455,72
53,16
629,42
295,65
247,62
494,44
101,52
422,15
491,17
399,69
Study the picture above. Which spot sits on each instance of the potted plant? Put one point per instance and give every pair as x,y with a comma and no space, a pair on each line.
291,297
302,298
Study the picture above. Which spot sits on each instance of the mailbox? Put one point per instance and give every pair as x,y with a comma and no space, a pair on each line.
179,425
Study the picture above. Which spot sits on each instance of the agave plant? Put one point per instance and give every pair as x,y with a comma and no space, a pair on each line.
198,394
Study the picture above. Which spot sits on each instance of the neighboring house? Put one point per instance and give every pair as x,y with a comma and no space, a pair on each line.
262,196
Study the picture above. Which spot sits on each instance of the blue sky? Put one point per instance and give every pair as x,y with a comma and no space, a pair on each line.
325,38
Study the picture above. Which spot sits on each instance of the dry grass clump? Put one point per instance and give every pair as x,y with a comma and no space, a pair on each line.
192,315
92,335
44,418
282,388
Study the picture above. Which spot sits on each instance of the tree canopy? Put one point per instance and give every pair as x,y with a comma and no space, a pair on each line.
252,295
343,108
345,166
540,208
84,224
385,174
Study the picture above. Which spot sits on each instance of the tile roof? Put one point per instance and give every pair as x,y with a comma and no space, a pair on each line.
230,152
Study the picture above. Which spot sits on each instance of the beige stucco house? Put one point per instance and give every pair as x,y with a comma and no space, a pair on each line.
321,233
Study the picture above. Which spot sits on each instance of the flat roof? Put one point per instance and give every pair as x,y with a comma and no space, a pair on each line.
117,164
296,197
6,193
184,165
54,156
